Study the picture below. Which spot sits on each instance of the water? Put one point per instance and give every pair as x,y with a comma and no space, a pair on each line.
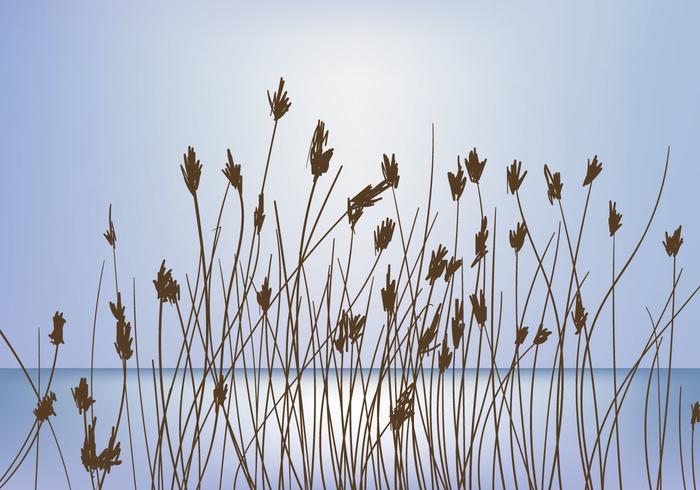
16,419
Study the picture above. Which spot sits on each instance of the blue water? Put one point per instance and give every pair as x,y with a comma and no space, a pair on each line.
16,419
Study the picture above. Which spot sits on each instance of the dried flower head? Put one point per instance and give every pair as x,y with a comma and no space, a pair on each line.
263,296
124,340
437,264
554,185
452,266
110,235
673,243
579,315
366,198
614,218
403,409
191,170
593,169
517,236
56,335
457,181
521,335
383,235
110,455
541,336
319,156
279,102
220,392
480,240
81,395
232,171
694,413
445,357
167,288
259,214
390,170
430,333
513,176
479,309
356,327
475,167
44,407
458,323
88,453
389,292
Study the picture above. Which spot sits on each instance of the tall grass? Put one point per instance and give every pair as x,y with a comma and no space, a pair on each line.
417,419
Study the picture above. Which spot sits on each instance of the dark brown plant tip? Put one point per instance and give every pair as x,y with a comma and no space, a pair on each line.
437,264
44,407
479,308
81,396
340,341
279,102
475,167
403,409
390,170
430,333
579,315
110,235
673,243
109,456
191,170
457,181
366,198
521,335
517,237
480,240
383,235
541,336
232,171
451,267
350,329
123,337
445,357
614,218
356,327
389,292
592,170
56,334
319,155
458,323
259,214
88,453
263,296
513,176
220,392
554,185
167,288
694,413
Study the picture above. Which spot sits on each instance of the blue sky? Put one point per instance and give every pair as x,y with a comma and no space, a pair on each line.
98,101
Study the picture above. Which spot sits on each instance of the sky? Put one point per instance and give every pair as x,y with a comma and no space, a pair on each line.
98,101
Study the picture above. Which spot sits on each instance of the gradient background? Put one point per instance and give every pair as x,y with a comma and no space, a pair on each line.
98,101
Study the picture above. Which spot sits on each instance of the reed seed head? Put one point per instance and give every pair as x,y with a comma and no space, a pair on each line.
259,214
403,409
110,235
319,155
44,407
513,176
579,315
554,185
191,170
475,167
263,296
279,102
167,288
81,395
124,341
220,392
430,333
56,334
457,181
479,308
614,218
366,198
593,169
232,171
541,336
480,239
389,292
437,264
445,357
673,243
383,235
390,170
521,335
458,323
517,237
694,413
452,266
